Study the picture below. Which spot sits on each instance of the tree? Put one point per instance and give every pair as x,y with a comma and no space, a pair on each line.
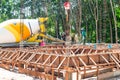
93,15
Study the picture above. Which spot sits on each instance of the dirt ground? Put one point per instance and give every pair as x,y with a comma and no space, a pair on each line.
9,75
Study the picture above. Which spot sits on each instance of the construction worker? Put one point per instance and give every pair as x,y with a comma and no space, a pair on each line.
83,33
42,43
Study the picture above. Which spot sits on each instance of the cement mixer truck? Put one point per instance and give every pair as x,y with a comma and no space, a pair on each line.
16,30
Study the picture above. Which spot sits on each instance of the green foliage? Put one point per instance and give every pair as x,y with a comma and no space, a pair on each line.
9,9
117,9
51,26
56,24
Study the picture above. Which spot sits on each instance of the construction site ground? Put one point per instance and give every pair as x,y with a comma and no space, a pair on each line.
10,75
62,62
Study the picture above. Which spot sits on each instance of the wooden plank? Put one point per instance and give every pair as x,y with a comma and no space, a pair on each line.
46,60
32,56
82,51
92,60
54,60
39,58
105,59
114,60
61,63
82,61
75,65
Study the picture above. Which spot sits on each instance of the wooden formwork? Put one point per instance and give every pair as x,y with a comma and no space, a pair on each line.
52,62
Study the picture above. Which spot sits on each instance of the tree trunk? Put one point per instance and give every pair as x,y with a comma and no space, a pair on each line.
104,20
96,20
100,25
79,16
115,22
111,34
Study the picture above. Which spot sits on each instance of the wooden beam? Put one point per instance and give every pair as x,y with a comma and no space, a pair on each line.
61,62
82,61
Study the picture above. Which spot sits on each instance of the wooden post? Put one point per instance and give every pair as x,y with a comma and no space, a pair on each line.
66,75
77,75
84,71
97,72
52,74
